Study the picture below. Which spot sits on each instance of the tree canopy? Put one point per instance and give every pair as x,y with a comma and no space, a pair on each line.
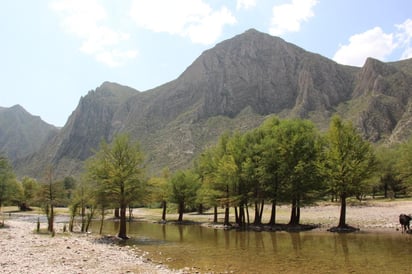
118,170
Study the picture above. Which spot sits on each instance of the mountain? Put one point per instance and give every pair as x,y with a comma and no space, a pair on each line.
21,133
232,86
381,103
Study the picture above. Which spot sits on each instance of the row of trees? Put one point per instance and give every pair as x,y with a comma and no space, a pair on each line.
281,162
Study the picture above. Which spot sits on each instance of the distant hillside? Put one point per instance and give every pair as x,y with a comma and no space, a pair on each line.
21,133
233,86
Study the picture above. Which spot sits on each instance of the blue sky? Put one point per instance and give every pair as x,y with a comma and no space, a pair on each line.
53,52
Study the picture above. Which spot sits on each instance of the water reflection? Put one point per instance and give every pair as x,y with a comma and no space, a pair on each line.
262,252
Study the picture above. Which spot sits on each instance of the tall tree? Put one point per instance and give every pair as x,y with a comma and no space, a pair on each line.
6,180
159,190
30,188
217,171
119,168
349,162
299,153
403,165
50,194
183,188
270,164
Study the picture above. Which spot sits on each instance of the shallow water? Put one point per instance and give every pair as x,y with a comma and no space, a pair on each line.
209,250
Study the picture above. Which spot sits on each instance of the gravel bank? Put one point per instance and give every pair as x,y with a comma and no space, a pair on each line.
24,251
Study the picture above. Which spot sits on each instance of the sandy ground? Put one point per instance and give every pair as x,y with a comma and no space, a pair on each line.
24,251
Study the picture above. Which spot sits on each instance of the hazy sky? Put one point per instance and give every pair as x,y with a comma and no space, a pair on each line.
52,52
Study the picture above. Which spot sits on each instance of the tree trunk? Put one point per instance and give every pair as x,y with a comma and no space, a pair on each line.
130,213
122,228
164,210
200,208
272,220
215,214
181,209
101,224
116,213
51,219
83,214
258,219
342,218
247,215
293,213
226,221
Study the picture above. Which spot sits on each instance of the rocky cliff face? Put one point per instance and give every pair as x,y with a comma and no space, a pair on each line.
21,133
380,100
234,86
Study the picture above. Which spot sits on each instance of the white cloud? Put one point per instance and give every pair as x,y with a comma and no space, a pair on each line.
245,4
187,18
288,17
404,37
84,19
377,44
372,43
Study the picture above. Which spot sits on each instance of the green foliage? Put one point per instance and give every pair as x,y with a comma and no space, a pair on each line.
9,188
348,162
183,187
49,195
118,172
30,188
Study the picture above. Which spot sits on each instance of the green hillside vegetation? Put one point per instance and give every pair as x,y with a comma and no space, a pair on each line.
280,162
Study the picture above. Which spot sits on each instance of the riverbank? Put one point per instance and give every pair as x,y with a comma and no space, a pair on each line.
371,215
25,251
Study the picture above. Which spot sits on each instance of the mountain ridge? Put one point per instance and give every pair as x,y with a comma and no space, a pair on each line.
233,86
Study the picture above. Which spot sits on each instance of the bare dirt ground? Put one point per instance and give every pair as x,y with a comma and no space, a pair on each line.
25,251
366,215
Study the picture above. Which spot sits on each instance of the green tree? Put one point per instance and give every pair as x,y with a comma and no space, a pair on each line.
50,194
299,154
119,168
403,164
159,190
270,165
183,187
30,188
217,171
389,180
349,162
7,181
206,166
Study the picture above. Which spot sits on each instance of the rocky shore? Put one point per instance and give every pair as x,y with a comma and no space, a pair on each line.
25,251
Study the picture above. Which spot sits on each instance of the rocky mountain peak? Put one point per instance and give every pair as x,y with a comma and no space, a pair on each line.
233,86
22,133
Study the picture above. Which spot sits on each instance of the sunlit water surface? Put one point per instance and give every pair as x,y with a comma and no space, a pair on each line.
209,250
